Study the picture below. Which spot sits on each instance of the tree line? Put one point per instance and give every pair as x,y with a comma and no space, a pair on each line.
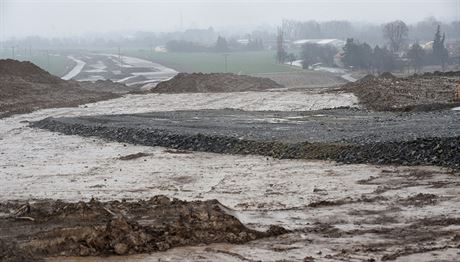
361,55
422,30
396,55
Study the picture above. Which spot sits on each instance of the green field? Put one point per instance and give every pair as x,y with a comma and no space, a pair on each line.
54,63
237,62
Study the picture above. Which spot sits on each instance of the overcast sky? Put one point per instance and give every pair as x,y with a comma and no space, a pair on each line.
75,17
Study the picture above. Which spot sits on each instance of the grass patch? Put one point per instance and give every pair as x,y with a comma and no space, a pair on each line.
237,62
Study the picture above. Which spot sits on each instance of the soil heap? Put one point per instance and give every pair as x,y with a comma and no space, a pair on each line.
25,87
214,82
387,92
105,228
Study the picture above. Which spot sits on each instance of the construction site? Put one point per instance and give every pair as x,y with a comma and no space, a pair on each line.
227,167
227,154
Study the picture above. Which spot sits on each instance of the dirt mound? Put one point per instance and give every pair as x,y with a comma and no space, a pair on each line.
26,70
215,82
107,86
25,87
414,93
50,228
388,75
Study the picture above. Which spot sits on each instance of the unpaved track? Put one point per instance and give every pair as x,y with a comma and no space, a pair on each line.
76,70
339,212
328,126
122,69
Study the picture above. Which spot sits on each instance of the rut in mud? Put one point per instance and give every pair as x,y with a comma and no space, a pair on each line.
50,228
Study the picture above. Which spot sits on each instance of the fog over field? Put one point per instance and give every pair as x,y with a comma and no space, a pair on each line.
75,17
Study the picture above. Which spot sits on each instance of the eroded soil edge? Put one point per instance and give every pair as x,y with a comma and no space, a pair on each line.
52,228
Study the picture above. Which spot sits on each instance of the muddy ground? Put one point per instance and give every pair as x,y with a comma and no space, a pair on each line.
337,212
345,135
51,228
333,211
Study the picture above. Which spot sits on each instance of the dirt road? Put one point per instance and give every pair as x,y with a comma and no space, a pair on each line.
122,69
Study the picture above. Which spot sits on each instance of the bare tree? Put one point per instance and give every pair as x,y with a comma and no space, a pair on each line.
396,33
280,51
440,52
291,58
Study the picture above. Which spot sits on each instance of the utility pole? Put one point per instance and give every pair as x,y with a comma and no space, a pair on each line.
119,59
181,21
226,64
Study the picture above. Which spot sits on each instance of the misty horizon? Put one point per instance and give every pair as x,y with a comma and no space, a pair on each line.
50,18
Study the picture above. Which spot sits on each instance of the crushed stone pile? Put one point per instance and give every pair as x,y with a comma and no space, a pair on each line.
25,87
430,91
119,228
214,82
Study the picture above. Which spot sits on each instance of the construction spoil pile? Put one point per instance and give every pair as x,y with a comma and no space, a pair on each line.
425,138
104,228
386,92
214,82
24,87
305,79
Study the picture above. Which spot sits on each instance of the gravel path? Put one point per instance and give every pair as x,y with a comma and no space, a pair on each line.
336,125
348,136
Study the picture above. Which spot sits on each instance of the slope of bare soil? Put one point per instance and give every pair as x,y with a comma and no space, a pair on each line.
305,79
49,228
429,91
214,82
24,87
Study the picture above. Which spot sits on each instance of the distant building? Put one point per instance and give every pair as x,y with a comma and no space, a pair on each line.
243,41
332,42
427,46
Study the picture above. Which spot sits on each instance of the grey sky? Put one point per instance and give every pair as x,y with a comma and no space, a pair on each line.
74,17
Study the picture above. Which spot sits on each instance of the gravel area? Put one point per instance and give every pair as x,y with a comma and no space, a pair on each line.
334,125
348,136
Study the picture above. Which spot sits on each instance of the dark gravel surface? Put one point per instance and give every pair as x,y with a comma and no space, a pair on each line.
338,125
345,135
